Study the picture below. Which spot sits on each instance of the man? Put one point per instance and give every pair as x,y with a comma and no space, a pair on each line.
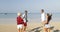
20,23
25,20
43,16
43,19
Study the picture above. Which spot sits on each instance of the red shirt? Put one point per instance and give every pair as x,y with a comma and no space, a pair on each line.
19,20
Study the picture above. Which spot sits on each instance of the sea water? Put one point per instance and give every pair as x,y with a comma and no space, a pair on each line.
32,17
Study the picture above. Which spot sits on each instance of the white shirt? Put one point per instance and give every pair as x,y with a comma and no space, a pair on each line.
43,17
24,17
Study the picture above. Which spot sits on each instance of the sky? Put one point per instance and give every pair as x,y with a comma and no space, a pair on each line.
32,6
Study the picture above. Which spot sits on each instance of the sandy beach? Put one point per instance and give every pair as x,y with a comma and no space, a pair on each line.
32,27
12,12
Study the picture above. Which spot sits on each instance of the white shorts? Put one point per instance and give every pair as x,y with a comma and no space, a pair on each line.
20,26
47,26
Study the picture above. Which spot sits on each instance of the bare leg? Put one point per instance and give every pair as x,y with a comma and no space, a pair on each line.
45,30
21,30
48,30
44,22
24,28
18,30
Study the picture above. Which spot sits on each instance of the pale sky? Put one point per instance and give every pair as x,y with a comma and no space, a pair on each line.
13,6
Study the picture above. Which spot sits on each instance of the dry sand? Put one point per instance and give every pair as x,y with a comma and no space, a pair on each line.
32,27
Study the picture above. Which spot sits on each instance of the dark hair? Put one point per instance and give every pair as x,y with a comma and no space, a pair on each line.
49,16
42,10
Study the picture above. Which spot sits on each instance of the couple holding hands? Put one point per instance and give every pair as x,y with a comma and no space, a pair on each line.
22,22
45,18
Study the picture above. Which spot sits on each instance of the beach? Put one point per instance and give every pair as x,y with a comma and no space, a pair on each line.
32,27
35,12
8,23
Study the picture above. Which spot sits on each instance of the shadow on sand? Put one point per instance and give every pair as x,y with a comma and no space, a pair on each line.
52,27
36,29
56,31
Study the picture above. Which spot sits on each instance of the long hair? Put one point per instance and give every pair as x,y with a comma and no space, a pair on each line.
49,16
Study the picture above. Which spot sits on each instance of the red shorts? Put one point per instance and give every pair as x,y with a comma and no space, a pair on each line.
25,24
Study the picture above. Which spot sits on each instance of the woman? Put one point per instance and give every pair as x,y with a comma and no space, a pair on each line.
47,26
20,23
25,20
